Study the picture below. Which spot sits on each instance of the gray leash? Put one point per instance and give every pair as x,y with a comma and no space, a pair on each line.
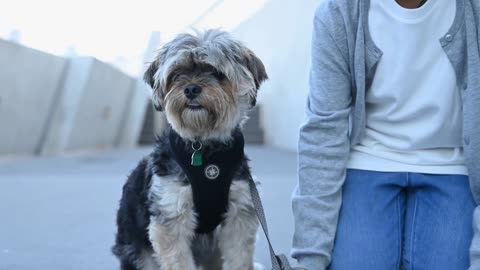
279,262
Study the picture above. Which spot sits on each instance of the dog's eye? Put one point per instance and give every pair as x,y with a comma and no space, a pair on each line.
219,75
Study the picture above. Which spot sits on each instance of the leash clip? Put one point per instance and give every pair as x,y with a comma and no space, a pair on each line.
197,155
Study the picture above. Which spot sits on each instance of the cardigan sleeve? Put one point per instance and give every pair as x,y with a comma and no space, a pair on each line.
322,150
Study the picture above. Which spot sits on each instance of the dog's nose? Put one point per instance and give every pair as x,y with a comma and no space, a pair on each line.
192,91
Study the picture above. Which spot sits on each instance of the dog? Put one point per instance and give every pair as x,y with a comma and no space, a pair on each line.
187,205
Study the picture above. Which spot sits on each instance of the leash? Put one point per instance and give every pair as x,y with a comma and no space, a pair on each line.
279,262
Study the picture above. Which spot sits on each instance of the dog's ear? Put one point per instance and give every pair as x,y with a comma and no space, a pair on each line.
256,67
149,74
149,78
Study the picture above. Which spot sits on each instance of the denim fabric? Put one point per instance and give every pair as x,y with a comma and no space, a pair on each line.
420,221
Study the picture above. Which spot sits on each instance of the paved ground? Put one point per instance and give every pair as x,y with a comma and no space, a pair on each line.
59,213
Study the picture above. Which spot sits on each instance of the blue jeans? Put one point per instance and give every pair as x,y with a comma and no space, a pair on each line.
420,221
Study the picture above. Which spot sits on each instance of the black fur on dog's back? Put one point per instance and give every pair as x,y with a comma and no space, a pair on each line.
133,218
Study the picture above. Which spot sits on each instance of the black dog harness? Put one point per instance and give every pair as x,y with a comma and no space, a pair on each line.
211,180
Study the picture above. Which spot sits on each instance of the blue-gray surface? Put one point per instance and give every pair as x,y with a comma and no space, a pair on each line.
59,213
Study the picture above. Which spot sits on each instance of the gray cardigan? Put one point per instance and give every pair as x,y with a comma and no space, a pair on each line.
343,65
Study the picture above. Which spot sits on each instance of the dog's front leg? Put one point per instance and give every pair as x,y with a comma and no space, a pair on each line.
238,232
172,228
172,246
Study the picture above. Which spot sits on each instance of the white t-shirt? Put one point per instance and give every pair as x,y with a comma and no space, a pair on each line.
414,107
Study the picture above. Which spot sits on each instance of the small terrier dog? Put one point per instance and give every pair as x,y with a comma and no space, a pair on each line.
187,205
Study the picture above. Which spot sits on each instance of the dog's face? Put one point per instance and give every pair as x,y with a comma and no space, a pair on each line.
205,84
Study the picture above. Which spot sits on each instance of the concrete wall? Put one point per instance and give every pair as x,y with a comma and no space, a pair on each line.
280,34
29,81
99,118
136,111
91,108
49,105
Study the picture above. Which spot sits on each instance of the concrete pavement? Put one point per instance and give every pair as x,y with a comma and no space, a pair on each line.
59,213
